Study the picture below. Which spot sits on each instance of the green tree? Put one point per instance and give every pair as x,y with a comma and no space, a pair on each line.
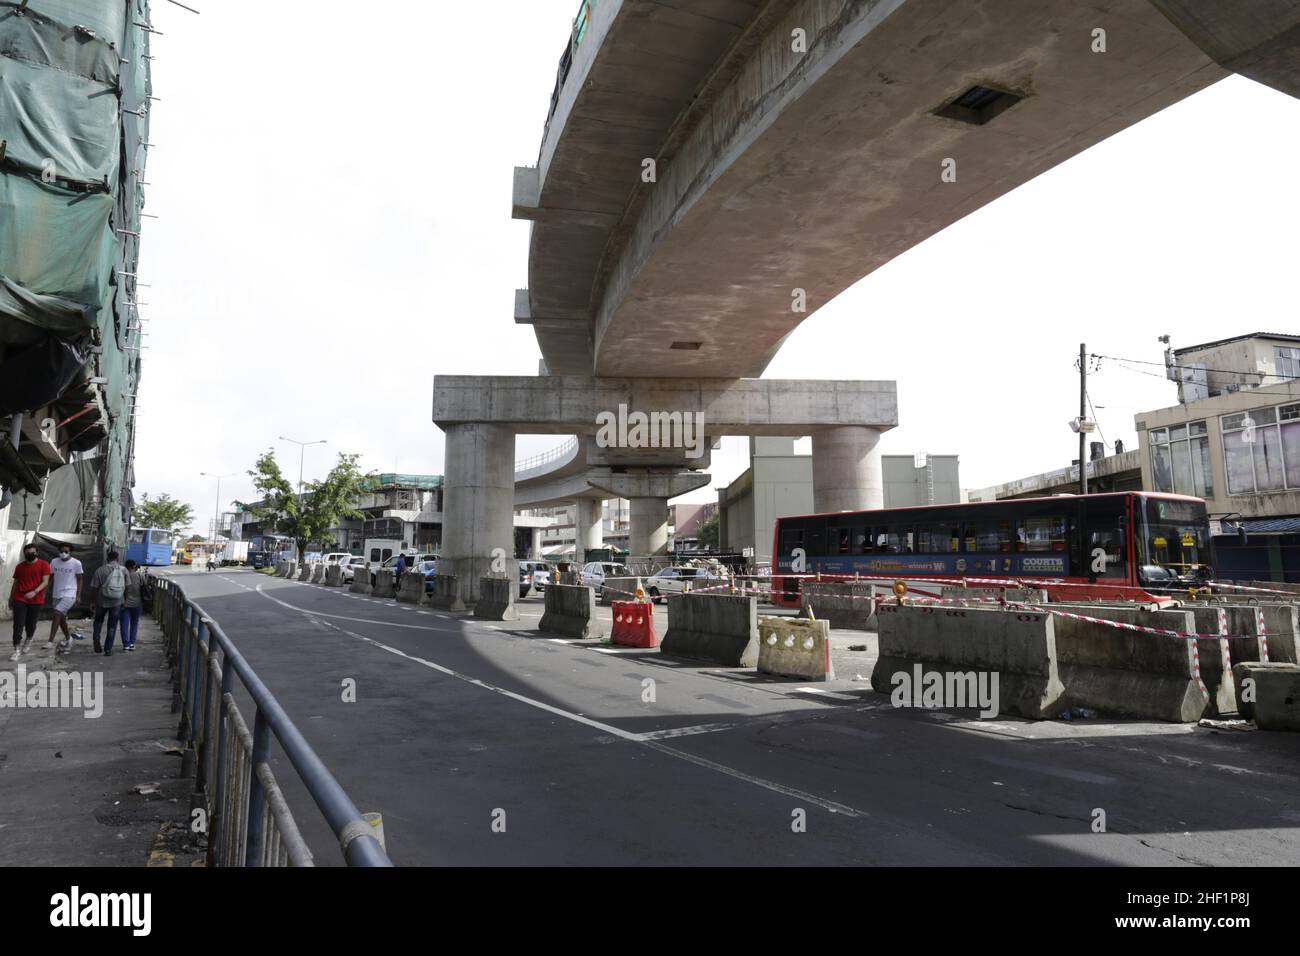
306,518
162,512
707,536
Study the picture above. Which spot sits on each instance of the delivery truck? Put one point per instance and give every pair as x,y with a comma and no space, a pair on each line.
235,552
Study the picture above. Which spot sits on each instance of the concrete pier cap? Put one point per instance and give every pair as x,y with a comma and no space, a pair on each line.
482,414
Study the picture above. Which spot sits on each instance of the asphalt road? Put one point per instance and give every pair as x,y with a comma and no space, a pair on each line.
495,744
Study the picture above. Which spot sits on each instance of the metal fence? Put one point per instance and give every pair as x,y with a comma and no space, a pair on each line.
249,820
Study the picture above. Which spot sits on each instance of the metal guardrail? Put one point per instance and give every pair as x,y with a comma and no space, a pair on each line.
562,451
249,820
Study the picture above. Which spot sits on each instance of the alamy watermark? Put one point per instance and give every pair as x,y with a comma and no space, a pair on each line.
624,429
21,689
954,689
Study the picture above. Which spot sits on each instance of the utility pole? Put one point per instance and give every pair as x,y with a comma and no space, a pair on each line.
302,451
1083,416
216,514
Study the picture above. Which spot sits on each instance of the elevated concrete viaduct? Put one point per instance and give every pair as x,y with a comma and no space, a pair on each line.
714,171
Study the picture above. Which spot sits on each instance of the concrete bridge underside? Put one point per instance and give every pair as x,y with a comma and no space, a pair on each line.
779,170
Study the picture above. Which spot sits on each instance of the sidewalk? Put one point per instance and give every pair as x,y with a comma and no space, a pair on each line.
78,790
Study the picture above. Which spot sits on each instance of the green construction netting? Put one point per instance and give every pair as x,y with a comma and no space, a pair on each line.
74,102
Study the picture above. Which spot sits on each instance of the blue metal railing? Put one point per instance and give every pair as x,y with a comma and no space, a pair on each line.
249,820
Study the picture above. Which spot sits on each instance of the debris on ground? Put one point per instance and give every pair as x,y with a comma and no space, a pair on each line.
1212,724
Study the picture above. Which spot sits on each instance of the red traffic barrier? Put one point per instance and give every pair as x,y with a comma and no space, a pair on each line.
634,624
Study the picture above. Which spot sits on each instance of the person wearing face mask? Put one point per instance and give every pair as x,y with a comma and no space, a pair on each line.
31,581
68,574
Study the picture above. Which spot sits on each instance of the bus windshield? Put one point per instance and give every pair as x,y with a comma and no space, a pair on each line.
1175,542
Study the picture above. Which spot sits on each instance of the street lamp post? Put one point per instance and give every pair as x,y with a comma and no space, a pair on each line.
302,452
216,513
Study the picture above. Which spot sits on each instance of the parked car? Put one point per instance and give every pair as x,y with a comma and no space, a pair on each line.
348,565
412,559
539,573
594,573
668,581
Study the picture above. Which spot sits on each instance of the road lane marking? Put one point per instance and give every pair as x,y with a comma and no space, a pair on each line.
642,739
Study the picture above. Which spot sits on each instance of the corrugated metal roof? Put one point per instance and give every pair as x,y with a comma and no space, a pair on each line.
1272,525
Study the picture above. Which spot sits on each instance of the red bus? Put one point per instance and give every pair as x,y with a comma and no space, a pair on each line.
1126,545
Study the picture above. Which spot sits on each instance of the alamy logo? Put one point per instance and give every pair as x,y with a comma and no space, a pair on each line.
41,689
626,429
102,909
956,689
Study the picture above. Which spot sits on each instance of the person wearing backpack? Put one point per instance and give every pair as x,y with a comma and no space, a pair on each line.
107,591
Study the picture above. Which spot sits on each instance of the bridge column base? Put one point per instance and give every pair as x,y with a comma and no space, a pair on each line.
478,503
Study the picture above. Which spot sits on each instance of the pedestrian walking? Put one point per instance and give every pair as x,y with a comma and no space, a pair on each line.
31,582
107,589
68,575
132,605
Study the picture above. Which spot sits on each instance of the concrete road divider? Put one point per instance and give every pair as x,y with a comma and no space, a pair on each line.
333,576
717,628
1280,624
1217,655
411,588
496,599
843,604
789,647
446,593
317,573
961,643
571,612
361,581
291,569
634,624
281,568
1275,691
618,589
992,595
304,572
1133,673
383,587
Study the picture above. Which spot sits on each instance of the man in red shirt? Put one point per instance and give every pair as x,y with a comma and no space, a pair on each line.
31,580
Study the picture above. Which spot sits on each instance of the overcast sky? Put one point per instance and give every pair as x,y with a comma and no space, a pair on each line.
334,191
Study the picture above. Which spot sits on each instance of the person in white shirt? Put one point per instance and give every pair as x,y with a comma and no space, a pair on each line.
67,574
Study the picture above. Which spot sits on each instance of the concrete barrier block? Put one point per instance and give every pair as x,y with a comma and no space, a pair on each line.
1019,646
789,647
383,586
446,593
1017,595
410,589
844,605
333,576
571,612
1130,673
618,589
717,628
1276,693
304,572
361,580
317,573
496,599
1215,653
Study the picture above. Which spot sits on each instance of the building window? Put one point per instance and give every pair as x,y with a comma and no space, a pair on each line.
1287,361
1180,459
1261,450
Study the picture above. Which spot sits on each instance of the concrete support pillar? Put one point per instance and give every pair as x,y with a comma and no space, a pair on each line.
478,503
536,552
590,534
648,534
846,469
